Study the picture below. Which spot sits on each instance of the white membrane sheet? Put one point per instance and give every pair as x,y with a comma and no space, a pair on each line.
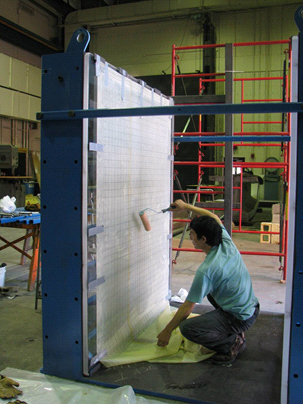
134,172
38,388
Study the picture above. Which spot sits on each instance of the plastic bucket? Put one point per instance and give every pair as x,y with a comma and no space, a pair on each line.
2,275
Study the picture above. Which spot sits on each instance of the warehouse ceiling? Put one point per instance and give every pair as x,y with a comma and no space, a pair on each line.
19,36
100,3
64,7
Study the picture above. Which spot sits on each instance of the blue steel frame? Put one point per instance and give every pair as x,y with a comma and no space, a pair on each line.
61,230
61,213
295,374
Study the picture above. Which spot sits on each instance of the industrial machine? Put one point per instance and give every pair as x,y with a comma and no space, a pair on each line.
9,158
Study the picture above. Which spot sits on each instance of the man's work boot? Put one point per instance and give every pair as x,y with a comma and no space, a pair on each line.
236,349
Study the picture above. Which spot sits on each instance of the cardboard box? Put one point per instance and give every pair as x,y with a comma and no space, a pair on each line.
275,208
275,238
275,218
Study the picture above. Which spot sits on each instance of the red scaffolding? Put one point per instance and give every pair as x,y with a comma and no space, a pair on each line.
204,78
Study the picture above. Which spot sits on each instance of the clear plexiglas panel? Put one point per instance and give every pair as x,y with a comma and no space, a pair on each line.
131,171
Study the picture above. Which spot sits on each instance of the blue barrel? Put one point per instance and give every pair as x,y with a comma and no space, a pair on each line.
29,188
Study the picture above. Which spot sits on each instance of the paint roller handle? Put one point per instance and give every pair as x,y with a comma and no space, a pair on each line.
168,209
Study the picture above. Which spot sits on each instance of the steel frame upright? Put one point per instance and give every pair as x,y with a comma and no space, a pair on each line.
61,212
295,385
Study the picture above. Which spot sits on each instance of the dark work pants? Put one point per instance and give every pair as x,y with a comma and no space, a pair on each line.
217,329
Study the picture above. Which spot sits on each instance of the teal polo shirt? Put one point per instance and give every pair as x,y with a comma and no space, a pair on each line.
224,275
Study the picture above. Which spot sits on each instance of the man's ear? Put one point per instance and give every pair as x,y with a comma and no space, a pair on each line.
204,239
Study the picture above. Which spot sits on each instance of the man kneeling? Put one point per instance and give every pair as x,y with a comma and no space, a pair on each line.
224,279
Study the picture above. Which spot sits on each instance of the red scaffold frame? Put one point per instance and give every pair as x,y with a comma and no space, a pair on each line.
285,148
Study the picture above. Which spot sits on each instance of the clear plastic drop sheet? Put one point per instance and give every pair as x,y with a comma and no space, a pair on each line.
134,172
38,388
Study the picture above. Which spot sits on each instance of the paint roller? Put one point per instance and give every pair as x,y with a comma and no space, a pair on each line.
144,218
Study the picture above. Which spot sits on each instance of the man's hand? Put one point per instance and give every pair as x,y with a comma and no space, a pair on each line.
179,205
163,338
183,312
7,389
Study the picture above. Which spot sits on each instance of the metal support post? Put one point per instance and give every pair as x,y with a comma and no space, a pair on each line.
295,385
61,212
228,171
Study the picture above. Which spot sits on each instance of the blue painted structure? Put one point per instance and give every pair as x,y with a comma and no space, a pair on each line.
61,234
61,218
295,375
74,114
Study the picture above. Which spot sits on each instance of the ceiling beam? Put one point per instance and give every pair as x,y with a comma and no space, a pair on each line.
15,34
60,6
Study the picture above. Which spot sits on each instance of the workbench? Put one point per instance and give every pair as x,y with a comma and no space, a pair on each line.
30,221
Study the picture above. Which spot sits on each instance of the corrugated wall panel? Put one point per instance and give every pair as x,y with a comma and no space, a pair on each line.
6,108
19,76
20,88
34,80
5,70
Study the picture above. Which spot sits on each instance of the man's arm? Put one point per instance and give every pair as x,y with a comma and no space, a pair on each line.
181,205
183,312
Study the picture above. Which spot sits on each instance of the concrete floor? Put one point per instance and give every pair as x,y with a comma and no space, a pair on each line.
21,328
21,324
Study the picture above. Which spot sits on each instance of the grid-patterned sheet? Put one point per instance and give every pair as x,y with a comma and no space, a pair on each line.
133,173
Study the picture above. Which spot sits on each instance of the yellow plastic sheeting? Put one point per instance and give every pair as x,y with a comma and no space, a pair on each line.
145,348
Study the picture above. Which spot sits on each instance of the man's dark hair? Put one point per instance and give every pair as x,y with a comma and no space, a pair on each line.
208,227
